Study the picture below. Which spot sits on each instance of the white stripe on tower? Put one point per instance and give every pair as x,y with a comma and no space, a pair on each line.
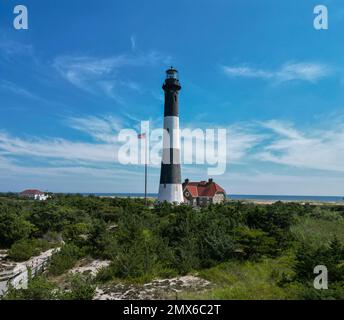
170,189
171,125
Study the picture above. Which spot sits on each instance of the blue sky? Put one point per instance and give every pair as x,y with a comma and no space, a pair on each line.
86,69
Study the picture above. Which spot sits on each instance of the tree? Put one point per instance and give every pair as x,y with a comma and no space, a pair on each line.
23,250
64,260
81,288
13,227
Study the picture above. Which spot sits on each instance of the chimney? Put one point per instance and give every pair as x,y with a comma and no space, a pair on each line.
187,181
211,180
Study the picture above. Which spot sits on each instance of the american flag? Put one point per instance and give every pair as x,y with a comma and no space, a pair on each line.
142,136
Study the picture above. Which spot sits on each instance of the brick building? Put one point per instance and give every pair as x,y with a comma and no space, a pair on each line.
203,193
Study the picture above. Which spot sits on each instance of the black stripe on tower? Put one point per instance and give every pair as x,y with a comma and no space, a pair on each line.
172,87
170,174
171,104
170,168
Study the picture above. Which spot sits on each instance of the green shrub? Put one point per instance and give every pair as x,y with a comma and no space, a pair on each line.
64,260
23,250
317,232
39,288
166,241
326,214
308,257
75,231
254,243
81,288
334,292
105,275
13,227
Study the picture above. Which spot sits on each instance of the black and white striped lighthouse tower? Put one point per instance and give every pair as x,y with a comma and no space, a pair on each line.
170,189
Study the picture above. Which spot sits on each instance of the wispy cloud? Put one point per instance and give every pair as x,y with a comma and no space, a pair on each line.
282,143
97,74
66,164
10,48
321,149
241,143
67,178
56,148
102,129
268,183
133,42
241,140
303,71
20,91
316,150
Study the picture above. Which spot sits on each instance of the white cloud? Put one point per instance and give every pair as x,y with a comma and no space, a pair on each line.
102,74
310,72
282,129
267,183
321,149
65,165
13,48
241,142
247,72
56,148
280,143
102,129
133,42
68,178
20,91
309,155
241,139
78,70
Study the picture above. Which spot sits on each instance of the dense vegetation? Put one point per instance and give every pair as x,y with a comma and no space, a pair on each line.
275,246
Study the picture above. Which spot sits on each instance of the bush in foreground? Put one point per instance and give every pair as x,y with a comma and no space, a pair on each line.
24,249
81,288
39,288
64,260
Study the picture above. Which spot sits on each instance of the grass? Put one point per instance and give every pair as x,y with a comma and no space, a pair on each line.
247,281
318,231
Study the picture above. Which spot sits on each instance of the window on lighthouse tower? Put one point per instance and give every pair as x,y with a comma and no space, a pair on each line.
172,73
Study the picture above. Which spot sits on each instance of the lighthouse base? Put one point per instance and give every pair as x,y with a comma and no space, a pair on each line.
172,193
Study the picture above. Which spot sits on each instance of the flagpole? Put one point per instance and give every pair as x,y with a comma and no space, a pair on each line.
146,171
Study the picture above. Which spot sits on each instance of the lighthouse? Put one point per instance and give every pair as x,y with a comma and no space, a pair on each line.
170,189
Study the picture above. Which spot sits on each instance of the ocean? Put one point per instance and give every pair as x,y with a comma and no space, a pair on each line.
242,197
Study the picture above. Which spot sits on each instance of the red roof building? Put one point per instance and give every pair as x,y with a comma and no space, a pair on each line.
34,194
203,193
31,193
